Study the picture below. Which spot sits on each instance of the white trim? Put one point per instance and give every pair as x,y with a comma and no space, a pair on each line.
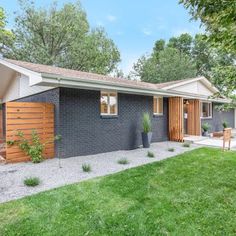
34,77
61,81
211,110
202,79
108,103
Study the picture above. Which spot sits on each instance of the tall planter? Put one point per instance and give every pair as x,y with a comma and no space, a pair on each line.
146,139
146,134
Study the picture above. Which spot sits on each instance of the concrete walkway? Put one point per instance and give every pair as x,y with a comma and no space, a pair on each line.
52,176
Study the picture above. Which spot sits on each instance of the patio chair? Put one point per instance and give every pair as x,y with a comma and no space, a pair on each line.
227,135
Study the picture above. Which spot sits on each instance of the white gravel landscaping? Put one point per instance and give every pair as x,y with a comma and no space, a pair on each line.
51,175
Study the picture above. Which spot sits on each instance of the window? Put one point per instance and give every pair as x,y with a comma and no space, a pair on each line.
108,103
206,110
158,106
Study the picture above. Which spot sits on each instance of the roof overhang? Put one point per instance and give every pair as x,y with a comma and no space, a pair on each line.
54,80
203,80
34,77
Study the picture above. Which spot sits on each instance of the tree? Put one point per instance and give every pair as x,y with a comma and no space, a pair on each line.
62,37
6,36
219,18
172,65
183,43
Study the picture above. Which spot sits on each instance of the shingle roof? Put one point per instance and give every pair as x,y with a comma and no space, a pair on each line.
86,75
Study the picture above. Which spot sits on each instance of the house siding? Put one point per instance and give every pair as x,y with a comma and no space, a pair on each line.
85,132
218,117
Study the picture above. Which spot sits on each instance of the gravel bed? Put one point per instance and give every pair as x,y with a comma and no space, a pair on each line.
52,176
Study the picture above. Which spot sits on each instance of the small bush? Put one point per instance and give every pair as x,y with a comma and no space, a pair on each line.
187,145
86,167
32,181
150,154
123,161
171,149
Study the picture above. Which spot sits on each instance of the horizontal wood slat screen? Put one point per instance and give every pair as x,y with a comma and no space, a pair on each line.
193,121
26,117
176,129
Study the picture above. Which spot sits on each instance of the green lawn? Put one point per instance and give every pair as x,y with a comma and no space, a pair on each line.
192,194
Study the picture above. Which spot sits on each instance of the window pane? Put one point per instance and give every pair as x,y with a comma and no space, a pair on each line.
154,105
104,103
206,109
160,106
113,103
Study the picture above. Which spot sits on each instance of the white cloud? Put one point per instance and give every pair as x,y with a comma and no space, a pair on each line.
128,60
111,18
147,31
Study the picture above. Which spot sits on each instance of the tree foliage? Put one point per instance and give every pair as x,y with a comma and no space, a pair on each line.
219,17
6,36
62,37
182,57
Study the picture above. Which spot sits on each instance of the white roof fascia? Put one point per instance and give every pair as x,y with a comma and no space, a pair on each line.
34,77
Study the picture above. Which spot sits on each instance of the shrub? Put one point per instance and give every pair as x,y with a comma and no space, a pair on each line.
150,154
86,167
186,145
32,147
123,161
32,181
206,127
225,124
171,149
147,125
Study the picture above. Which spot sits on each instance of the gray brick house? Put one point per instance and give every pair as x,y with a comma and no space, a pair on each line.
96,113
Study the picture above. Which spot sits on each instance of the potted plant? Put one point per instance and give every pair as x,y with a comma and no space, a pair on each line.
205,128
225,124
147,127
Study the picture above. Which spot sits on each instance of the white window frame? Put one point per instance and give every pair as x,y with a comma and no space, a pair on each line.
108,102
211,110
159,114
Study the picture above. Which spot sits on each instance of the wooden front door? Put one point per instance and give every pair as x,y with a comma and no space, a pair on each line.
176,119
193,119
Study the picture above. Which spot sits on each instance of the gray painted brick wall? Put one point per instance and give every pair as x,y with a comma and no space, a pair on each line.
218,117
84,131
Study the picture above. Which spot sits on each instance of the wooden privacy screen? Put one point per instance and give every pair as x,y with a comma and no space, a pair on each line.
176,129
26,117
193,121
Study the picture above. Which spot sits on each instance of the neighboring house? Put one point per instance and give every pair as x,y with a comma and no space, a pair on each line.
96,113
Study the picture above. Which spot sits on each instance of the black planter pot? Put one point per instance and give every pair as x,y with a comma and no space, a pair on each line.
146,138
205,133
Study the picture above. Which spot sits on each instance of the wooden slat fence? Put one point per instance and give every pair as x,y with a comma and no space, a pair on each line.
176,119
26,117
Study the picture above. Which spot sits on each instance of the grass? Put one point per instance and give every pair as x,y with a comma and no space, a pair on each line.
32,181
123,161
150,154
171,149
191,194
187,145
86,167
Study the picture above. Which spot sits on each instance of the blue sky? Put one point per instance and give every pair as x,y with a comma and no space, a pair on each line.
134,25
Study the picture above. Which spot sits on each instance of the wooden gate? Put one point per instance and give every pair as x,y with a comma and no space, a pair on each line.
193,120
176,119
26,117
